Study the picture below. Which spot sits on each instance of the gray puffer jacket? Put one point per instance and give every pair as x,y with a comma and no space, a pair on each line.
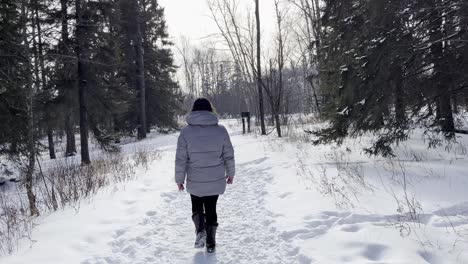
204,155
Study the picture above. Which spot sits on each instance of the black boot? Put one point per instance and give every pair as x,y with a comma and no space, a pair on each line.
211,238
199,221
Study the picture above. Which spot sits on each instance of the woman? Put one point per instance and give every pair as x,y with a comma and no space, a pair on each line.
205,159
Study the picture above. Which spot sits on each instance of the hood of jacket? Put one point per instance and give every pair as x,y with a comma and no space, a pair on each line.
202,118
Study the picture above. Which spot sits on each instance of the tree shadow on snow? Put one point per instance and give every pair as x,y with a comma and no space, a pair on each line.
202,257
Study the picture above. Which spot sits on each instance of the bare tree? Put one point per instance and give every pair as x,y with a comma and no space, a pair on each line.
312,36
240,41
186,52
259,70
280,81
274,86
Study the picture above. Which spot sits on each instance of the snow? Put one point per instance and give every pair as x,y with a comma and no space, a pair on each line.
380,40
344,112
362,102
7,172
406,10
280,209
348,19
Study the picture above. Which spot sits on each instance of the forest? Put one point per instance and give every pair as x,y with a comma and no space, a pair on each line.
87,86
365,66
70,67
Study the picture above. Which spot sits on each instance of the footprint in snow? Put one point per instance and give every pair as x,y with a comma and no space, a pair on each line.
119,233
129,202
430,258
284,195
151,213
350,228
303,259
370,251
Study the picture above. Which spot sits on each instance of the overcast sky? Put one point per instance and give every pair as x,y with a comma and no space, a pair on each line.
191,18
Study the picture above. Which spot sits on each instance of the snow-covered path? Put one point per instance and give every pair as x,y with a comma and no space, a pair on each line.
245,234
149,221
273,213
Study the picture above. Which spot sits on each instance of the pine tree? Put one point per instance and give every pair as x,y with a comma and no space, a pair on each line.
12,103
387,64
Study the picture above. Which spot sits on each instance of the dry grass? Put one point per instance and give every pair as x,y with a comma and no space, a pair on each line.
63,184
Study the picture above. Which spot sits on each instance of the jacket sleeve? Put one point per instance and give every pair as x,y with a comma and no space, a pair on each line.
228,156
181,159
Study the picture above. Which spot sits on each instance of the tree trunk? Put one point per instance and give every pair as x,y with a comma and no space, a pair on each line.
50,138
31,163
397,81
69,118
277,122
463,15
399,105
51,145
259,70
455,104
40,44
70,135
314,94
140,70
276,107
82,84
39,56
31,146
442,80
446,121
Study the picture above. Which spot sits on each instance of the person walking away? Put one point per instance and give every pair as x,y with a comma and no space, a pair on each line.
205,162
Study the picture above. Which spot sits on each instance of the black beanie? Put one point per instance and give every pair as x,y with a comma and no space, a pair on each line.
202,104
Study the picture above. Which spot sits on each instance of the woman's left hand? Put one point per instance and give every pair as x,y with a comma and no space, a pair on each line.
230,179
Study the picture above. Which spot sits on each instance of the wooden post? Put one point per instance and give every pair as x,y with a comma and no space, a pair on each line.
243,125
245,115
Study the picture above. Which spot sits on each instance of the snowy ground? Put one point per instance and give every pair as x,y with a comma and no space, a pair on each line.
290,203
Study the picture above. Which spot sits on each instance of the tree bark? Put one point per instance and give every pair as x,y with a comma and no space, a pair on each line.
50,138
442,80
397,83
314,94
140,70
279,92
259,70
70,135
40,44
40,58
69,118
277,122
82,83
31,146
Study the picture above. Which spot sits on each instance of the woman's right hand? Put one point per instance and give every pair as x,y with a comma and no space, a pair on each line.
180,186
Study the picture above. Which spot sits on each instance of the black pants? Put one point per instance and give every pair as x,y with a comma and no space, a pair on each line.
206,204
